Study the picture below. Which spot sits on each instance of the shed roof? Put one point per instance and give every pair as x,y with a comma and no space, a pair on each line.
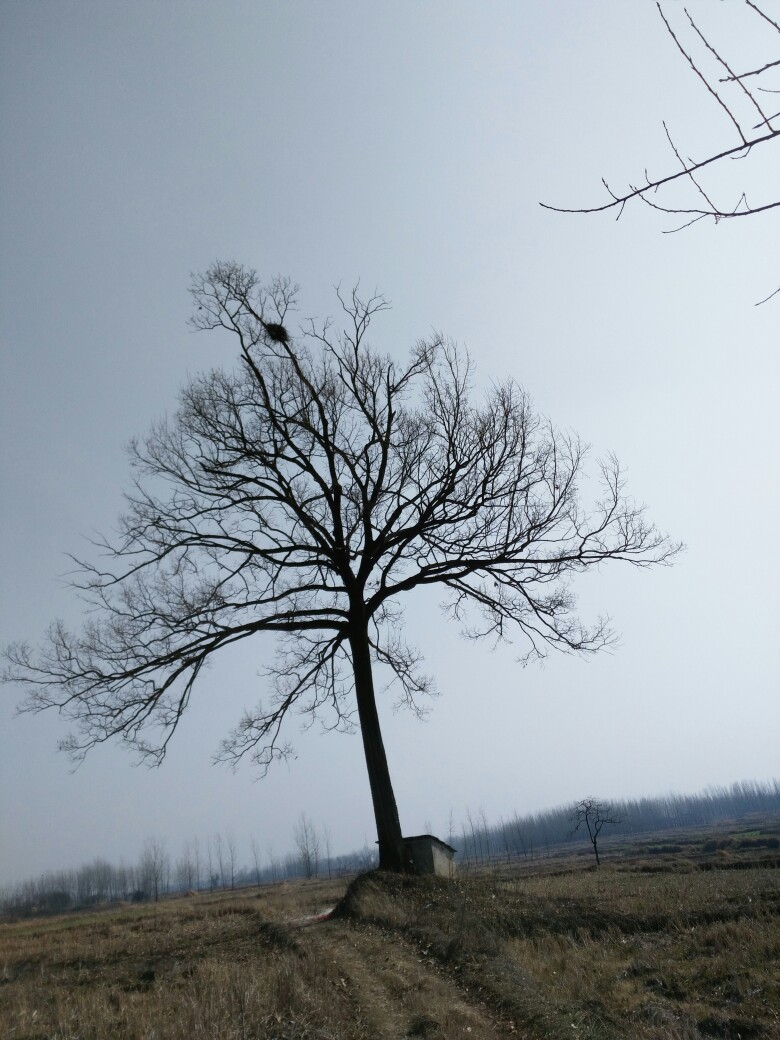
430,837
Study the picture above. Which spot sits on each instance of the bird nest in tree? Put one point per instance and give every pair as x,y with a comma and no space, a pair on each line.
278,333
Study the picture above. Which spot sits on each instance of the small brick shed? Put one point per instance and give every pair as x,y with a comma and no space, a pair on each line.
430,855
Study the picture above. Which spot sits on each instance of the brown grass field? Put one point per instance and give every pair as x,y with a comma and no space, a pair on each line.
671,939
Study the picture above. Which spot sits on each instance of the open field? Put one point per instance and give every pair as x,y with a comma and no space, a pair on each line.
673,943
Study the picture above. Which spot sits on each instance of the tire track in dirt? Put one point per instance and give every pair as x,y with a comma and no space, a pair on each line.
395,990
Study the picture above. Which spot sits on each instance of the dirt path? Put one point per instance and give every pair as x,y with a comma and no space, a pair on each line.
396,991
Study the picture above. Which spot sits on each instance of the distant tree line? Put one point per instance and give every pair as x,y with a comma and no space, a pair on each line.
537,834
202,867
213,864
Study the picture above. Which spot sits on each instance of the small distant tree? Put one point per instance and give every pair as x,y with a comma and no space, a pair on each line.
220,853
327,841
595,815
256,857
273,864
210,866
232,858
196,861
503,829
184,871
316,848
153,868
485,828
307,841
476,852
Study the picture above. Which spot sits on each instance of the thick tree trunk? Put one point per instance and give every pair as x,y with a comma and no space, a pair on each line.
388,826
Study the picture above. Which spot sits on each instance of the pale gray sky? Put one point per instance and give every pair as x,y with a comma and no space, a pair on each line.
407,145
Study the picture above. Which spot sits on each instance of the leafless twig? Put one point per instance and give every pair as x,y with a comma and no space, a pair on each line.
654,191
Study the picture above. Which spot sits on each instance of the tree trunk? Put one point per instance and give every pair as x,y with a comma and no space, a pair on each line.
388,826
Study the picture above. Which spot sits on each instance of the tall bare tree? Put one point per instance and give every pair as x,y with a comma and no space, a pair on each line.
743,96
306,494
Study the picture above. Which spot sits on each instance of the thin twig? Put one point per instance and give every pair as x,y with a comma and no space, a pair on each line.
762,14
653,185
753,72
725,65
691,62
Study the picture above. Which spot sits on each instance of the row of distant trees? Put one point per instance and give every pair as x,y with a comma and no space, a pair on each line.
202,866
213,864
537,834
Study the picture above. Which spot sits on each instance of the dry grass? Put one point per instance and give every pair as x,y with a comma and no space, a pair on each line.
216,967
677,955
687,952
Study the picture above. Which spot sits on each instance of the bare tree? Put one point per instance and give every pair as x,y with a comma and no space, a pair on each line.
184,870
504,832
476,836
451,828
154,868
232,858
305,494
196,862
256,859
595,815
520,845
485,829
273,863
220,853
308,844
686,192
213,877
316,849
327,841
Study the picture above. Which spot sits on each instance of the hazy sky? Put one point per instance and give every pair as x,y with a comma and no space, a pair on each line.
408,145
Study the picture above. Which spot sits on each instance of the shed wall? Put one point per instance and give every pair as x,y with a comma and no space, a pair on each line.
430,856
